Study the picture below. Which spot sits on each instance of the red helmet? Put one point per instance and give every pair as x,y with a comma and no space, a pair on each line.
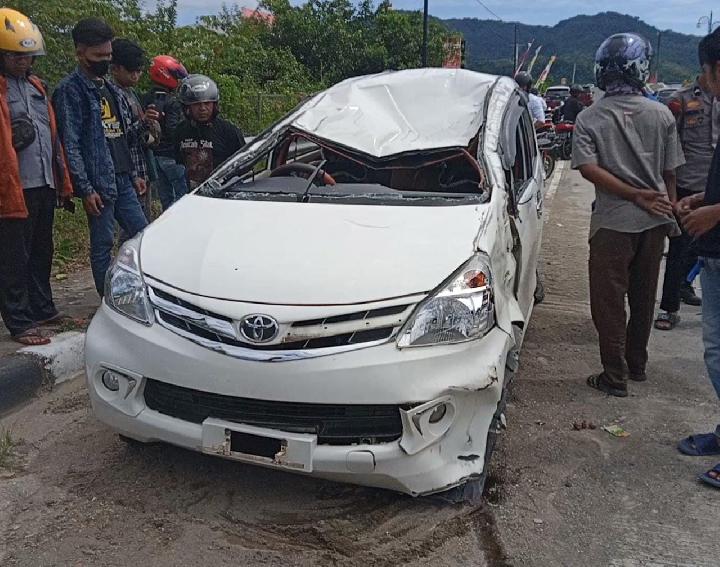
167,71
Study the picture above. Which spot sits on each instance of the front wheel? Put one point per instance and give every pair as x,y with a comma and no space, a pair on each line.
566,151
548,164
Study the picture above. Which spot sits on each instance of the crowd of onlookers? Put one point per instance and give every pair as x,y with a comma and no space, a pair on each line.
96,139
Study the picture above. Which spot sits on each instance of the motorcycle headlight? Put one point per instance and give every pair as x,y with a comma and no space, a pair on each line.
124,285
462,309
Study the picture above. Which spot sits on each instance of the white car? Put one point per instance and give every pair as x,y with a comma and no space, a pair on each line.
342,298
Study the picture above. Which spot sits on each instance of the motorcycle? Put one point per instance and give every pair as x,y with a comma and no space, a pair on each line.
564,132
549,148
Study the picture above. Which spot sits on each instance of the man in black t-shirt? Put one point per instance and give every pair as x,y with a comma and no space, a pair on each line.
573,105
203,140
701,218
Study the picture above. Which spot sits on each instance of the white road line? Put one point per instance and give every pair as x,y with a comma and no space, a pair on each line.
555,180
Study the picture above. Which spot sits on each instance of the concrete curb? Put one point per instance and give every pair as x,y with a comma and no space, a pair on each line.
22,374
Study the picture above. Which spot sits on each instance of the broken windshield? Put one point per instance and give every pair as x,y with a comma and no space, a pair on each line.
290,165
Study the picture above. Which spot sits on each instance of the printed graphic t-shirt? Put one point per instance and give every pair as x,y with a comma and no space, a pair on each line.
114,134
203,147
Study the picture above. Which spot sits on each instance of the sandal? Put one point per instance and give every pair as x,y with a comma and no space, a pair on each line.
31,337
701,445
596,381
667,321
711,477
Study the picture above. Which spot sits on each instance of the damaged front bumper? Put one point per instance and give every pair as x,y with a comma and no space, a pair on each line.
447,398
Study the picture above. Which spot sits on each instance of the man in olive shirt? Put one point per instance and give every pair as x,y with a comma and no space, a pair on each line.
627,146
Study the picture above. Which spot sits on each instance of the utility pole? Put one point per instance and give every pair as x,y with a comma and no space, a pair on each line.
572,81
425,36
515,51
657,64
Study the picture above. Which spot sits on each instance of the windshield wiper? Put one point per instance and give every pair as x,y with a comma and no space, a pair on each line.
305,197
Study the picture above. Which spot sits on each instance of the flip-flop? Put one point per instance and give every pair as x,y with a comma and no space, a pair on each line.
31,337
711,477
700,445
666,321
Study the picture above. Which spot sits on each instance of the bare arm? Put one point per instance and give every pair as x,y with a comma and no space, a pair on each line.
649,200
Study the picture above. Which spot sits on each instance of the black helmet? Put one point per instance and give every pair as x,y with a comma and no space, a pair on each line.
623,57
524,80
198,88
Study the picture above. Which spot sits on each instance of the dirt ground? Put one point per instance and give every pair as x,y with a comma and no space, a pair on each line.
74,494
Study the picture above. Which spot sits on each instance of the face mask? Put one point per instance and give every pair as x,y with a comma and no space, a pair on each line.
99,68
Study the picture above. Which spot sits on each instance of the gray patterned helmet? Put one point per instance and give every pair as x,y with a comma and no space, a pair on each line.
198,88
623,57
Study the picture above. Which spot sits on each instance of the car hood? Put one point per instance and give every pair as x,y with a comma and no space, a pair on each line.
307,254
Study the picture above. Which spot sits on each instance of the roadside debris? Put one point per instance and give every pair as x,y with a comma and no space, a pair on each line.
579,425
615,430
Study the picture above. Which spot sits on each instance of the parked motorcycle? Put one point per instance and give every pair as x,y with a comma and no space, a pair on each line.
548,146
564,137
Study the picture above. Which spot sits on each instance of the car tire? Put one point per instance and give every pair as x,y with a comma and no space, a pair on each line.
472,491
130,442
539,292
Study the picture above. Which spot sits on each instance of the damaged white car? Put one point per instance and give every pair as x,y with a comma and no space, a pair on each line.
345,297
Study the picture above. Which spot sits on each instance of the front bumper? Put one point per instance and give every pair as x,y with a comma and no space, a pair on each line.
429,457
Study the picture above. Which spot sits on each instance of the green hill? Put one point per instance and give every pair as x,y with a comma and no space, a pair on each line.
489,45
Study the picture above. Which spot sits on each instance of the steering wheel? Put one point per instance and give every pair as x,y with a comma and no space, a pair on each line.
304,170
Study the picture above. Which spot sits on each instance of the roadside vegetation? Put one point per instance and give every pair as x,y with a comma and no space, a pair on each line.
7,449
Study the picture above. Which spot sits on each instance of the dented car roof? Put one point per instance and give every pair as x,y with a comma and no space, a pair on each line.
400,111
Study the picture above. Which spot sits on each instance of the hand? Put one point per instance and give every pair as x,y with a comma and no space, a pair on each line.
689,204
654,202
93,204
701,220
151,114
140,186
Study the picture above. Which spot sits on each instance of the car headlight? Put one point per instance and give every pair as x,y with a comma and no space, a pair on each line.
124,285
462,309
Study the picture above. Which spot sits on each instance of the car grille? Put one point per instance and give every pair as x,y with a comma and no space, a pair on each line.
334,424
348,330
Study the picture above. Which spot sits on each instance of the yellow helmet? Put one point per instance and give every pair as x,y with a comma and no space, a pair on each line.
19,35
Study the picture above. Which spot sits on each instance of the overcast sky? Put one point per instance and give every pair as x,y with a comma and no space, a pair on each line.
678,15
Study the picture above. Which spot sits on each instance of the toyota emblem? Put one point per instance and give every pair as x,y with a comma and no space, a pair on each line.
259,328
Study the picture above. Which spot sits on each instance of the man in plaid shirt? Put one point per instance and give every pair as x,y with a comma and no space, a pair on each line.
128,64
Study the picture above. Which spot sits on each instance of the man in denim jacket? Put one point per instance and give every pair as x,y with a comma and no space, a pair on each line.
97,129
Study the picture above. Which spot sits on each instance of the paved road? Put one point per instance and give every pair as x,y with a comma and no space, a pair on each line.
76,495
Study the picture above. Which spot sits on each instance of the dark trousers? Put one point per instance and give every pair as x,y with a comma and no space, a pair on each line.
624,264
26,252
680,261
126,210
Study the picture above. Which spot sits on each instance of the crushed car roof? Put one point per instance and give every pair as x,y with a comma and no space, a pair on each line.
400,111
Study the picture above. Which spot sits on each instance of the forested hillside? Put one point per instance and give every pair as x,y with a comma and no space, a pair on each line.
490,44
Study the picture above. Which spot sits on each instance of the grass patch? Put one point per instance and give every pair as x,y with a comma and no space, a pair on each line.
7,449
72,240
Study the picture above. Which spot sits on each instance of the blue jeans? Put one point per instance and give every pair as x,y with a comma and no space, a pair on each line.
126,210
171,181
710,282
